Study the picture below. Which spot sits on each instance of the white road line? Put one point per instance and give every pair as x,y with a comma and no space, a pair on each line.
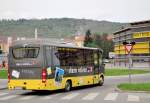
2,94
49,96
27,97
8,97
111,96
70,96
90,96
46,97
133,98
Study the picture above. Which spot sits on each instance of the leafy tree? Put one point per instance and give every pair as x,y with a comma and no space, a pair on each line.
93,44
88,38
105,44
101,41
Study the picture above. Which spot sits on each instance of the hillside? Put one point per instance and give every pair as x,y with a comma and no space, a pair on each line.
55,27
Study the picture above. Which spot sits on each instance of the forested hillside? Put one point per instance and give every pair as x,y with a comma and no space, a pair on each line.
55,27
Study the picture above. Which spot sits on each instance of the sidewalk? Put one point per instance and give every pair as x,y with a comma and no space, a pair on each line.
3,84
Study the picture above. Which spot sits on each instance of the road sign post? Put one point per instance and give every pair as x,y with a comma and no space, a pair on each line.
128,47
130,61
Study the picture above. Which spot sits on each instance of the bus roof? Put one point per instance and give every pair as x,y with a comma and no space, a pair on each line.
58,43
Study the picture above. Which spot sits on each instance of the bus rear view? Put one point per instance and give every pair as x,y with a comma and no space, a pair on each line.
43,65
25,67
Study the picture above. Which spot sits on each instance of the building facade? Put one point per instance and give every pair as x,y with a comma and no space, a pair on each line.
79,40
138,32
4,43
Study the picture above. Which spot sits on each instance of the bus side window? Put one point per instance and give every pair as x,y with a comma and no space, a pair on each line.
48,55
55,54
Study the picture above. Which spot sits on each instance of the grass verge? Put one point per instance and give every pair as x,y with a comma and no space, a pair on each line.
135,86
108,72
3,74
118,72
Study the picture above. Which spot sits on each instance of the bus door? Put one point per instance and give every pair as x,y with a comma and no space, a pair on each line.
101,64
96,67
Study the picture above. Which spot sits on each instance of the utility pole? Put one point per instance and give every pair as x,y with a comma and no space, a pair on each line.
35,33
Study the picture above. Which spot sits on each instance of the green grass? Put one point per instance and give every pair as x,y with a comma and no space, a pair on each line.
135,86
117,72
3,74
108,72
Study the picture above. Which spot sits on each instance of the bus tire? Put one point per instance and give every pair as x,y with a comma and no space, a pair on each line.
68,86
101,81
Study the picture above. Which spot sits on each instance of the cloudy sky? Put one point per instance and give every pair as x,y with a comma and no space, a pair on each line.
111,10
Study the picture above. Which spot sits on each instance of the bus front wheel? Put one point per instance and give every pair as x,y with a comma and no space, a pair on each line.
68,86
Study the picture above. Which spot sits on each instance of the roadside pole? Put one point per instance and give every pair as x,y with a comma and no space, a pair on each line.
130,63
128,47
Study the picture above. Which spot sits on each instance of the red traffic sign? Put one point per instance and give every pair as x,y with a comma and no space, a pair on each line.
128,48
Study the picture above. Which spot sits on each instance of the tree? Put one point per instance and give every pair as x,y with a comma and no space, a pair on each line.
106,45
88,38
99,41
102,42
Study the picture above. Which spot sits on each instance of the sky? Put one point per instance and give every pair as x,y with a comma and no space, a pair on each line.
110,10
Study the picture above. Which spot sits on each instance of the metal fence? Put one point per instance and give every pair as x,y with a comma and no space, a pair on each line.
137,62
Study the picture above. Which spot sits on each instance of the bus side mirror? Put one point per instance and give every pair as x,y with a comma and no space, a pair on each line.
103,63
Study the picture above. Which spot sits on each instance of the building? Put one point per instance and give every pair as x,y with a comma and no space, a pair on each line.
4,43
79,40
138,32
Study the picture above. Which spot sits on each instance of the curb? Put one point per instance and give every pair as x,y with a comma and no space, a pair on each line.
3,88
145,74
130,91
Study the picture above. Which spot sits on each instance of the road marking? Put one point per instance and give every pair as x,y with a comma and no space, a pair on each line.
111,96
90,96
46,97
133,98
49,96
27,97
2,94
8,97
70,96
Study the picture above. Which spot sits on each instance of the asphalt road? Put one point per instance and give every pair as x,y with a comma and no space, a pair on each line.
88,94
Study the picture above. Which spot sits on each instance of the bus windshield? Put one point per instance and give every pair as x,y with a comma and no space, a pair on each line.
25,52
